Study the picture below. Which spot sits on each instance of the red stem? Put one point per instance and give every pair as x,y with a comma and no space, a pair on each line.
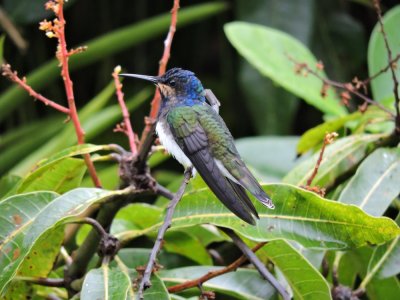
155,103
127,128
63,56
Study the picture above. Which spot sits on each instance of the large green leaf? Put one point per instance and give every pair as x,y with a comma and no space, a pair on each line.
376,182
299,215
272,108
17,213
107,284
382,86
27,222
59,176
340,157
7,184
272,157
104,46
315,136
306,282
267,50
242,284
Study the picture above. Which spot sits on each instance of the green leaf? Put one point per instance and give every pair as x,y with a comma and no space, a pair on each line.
272,157
2,38
339,157
7,184
17,213
267,50
306,282
106,283
382,86
385,260
27,222
188,246
236,284
103,46
59,176
376,182
299,215
315,136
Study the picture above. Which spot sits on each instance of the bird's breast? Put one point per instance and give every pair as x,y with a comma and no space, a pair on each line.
167,140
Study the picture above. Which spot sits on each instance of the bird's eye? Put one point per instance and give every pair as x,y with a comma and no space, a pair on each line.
172,83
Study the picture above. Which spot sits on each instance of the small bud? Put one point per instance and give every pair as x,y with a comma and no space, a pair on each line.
117,69
50,34
320,65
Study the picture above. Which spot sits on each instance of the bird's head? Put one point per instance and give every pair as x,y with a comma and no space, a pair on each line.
176,85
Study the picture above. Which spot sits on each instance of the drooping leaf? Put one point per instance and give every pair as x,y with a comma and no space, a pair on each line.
107,284
299,215
272,108
382,86
27,222
305,281
339,157
314,136
17,213
242,284
268,51
59,176
376,182
272,157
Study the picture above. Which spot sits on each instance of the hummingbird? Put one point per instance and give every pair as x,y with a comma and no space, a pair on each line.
191,130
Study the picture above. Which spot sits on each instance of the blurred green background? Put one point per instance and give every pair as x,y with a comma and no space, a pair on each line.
336,31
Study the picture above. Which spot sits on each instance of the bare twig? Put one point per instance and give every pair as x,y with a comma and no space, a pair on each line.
348,87
392,65
12,31
329,138
145,281
212,274
13,76
257,263
52,282
127,127
147,137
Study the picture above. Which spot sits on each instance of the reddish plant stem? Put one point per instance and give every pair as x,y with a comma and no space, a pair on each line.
127,127
329,137
392,65
63,57
212,274
146,139
13,76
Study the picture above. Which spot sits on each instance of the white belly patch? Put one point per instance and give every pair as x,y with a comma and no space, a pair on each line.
167,140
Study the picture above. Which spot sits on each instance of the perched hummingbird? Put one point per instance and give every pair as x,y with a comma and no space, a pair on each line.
193,132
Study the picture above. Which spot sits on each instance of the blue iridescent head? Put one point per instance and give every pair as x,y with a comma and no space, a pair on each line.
177,85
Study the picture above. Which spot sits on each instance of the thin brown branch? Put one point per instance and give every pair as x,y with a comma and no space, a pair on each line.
12,31
13,76
127,127
329,138
256,262
383,70
392,65
212,274
56,28
145,281
147,137
52,282
348,87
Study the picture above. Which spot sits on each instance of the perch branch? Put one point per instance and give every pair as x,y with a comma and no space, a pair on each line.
212,274
145,282
127,127
257,263
147,137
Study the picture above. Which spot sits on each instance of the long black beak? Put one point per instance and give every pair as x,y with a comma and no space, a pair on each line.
153,79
